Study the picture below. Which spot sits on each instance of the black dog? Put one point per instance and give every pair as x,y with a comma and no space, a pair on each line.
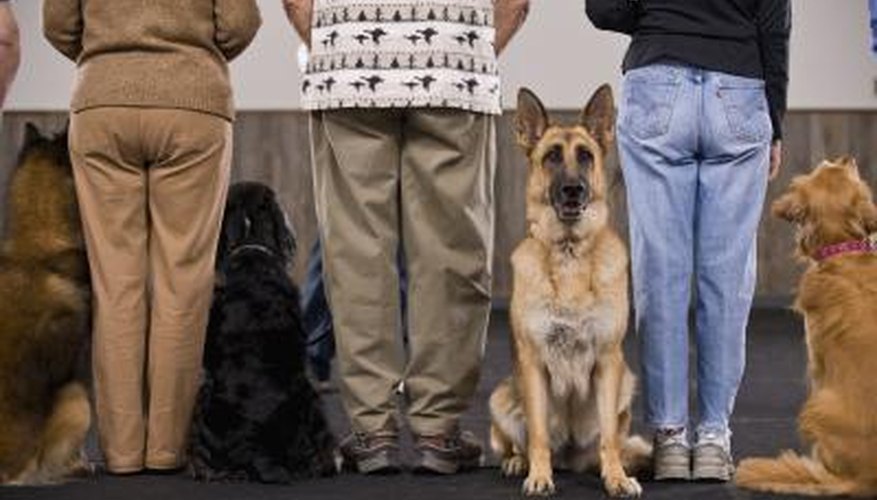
257,416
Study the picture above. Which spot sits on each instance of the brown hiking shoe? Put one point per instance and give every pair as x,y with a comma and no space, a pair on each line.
447,453
371,453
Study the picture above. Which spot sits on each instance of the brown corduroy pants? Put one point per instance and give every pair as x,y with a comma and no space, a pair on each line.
151,185
422,177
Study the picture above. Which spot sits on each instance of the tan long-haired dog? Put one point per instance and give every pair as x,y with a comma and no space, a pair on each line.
835,215
44,317
571,388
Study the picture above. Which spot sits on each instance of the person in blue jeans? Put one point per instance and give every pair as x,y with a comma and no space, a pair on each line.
317,320
699,134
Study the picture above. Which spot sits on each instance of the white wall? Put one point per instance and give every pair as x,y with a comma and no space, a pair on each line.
558,54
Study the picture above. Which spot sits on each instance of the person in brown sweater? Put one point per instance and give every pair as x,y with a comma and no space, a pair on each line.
150,141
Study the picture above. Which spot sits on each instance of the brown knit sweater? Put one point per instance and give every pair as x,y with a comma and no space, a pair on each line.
160,53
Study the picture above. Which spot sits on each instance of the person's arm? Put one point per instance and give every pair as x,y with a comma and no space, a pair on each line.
299,13
509,16
614,15
237,22
9,49
62,26
774,27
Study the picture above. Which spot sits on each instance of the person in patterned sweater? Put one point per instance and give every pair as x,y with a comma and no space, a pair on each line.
403,98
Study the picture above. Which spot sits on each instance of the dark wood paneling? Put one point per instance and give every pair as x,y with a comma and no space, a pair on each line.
272,147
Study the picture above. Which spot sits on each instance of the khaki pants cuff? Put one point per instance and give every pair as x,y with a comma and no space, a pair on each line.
374,423
432,426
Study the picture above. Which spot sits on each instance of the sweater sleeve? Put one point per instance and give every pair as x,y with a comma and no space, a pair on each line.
613,15
237,22
774,28
62,26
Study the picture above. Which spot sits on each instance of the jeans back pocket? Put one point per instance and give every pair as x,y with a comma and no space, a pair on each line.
745,105
649,98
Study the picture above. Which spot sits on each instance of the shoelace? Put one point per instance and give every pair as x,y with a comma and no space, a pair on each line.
667,438
714,439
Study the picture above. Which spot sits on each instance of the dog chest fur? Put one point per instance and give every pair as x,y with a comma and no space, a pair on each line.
565,317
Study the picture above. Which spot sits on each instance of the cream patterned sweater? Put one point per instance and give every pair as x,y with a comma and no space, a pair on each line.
402,54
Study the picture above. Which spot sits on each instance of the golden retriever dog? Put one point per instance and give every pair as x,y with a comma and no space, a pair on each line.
44,319
835,218
570,392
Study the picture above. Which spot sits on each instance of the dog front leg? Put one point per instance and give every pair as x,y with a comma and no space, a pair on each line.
533,385
610,369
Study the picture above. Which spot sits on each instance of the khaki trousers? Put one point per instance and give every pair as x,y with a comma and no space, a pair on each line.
422,178
151,185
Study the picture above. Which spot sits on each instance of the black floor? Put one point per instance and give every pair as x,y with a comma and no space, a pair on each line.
772,391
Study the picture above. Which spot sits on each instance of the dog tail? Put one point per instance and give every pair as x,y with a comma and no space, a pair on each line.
791,473
636,455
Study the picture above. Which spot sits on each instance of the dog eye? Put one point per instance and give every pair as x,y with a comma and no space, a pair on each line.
554,156
584,157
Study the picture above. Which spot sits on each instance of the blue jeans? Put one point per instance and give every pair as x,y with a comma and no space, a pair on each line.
872,7
694,148
317,317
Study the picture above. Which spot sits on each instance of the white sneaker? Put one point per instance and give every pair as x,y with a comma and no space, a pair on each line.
712,456
672,455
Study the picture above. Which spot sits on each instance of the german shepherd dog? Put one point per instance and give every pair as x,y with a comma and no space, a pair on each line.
571,390
44,319
257,417
836,219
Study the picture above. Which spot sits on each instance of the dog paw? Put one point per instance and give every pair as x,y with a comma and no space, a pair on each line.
82,470
514,465
538,485
623,486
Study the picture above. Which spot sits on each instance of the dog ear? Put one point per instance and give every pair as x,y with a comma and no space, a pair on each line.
870,218
850,163
598,117
284,234
223,245
864,209
531,120
31,134
790,207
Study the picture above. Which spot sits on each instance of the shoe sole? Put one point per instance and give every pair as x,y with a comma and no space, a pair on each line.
673,474
678,471
429,463
711,467
712,472
383,462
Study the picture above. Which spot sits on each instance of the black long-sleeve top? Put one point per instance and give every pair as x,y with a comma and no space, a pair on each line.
741,37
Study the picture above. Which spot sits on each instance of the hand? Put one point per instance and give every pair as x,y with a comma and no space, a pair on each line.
509,16
299,13
776,159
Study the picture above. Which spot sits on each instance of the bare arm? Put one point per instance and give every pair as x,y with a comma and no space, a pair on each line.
237,22
509,17
299,13
62,26
9,49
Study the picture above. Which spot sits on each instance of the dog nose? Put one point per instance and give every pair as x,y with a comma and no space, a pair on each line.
573,191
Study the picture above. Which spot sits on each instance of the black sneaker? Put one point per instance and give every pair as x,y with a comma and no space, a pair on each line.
447,453
371,453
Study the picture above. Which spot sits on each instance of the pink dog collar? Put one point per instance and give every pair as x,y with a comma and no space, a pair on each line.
868,245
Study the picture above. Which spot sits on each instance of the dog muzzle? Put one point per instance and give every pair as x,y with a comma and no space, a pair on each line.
570,199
